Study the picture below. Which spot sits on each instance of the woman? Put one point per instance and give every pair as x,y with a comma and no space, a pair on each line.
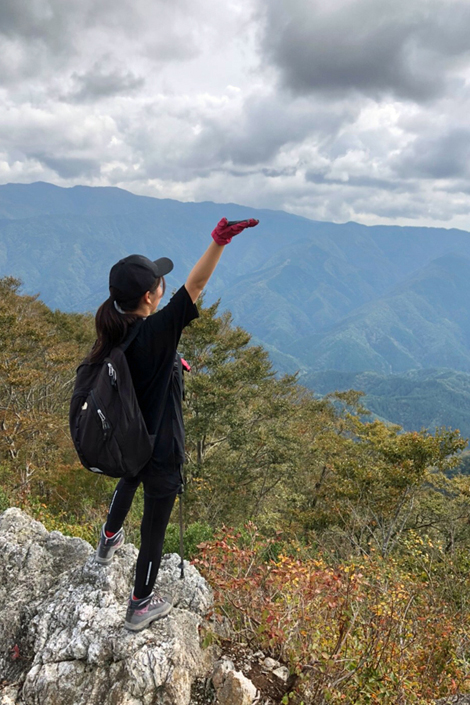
136,286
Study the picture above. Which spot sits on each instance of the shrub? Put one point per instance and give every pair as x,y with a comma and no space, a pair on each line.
69,526
4,500
194,534
363,631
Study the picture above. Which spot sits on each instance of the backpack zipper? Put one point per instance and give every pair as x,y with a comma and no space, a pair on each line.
112,374
106,426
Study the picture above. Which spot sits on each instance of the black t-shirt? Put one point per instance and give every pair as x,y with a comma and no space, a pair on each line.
157,373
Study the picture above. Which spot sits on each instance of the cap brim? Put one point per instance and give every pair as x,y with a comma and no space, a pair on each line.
164,266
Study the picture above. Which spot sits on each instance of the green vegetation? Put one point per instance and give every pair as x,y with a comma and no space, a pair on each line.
348,550
414,400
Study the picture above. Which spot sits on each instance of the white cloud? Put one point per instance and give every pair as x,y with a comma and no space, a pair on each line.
346,110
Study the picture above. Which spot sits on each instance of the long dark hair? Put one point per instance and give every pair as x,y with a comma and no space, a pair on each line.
111,325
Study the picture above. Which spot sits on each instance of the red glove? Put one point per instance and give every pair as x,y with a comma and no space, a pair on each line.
223,233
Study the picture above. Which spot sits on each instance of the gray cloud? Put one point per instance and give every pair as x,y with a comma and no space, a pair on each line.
100,82
41,20
408,48
47,38
355,181
277,173
264,126
436,156
70,167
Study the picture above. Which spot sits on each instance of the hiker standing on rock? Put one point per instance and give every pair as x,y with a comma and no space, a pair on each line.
136,286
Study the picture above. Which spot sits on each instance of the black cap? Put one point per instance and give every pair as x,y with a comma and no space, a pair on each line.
136,274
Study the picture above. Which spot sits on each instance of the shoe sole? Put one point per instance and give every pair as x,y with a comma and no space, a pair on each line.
112,551
146,622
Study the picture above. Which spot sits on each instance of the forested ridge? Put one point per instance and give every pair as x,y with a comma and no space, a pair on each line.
336,542
419,398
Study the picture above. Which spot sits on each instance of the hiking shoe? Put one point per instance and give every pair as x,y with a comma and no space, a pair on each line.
106,547
140,613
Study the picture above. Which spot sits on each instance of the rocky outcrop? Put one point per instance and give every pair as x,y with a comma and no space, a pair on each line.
231,686
62,639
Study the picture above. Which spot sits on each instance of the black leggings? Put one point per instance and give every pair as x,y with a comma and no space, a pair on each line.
162,482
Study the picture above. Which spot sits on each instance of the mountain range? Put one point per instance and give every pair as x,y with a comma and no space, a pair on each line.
319,296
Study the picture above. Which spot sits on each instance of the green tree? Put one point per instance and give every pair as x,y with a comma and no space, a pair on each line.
39,351
239,419
364,483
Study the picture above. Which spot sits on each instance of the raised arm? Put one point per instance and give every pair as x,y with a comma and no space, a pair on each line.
202,270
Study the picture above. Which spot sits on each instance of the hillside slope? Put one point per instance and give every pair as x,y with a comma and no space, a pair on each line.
421,323
414,400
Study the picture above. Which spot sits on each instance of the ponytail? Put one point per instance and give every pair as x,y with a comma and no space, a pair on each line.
111,330
111,325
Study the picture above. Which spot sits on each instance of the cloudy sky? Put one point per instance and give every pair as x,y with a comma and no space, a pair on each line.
333,109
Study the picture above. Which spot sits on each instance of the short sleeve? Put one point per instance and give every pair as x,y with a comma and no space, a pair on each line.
176,315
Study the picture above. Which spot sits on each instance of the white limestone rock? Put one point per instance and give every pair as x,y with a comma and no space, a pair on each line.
231,686
62,636
221,669
8,695
282,672
270,664
237,689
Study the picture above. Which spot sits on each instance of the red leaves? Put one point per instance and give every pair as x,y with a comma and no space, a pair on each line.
365,626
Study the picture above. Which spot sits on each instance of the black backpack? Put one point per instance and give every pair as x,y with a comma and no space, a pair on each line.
107,427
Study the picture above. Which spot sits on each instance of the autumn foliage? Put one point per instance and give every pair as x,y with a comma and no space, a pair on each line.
362,631
349,559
